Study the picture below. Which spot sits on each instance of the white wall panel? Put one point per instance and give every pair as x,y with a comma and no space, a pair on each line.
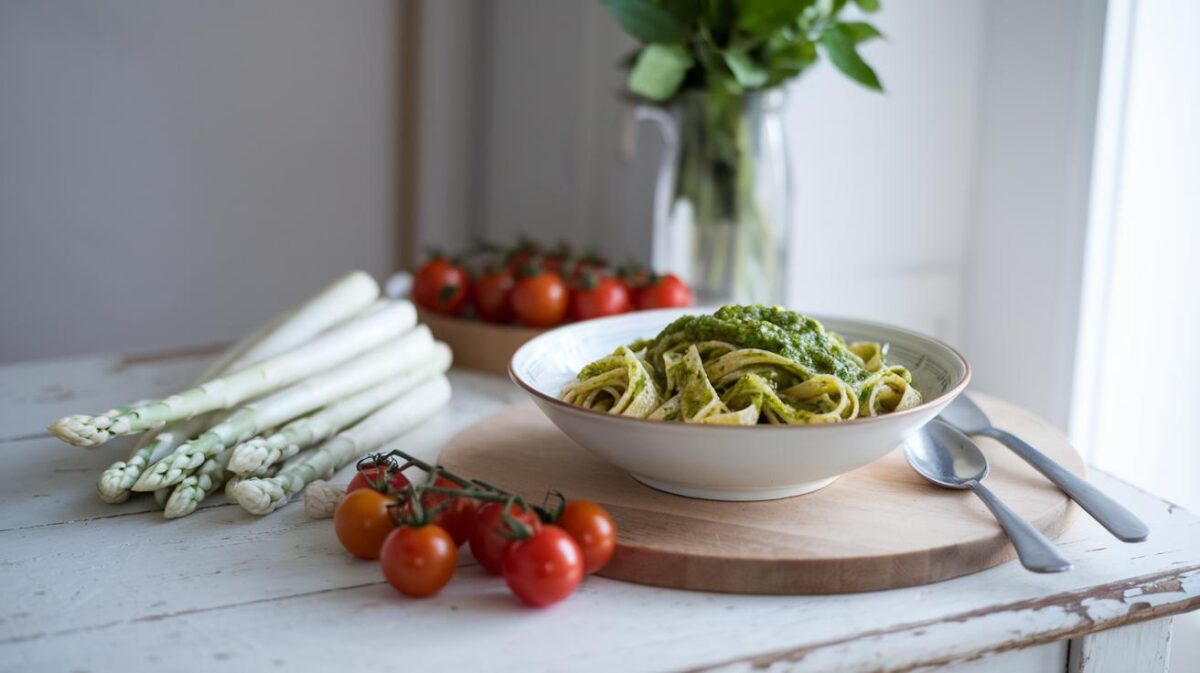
173,172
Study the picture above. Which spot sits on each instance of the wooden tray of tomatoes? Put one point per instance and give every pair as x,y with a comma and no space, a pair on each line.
485,306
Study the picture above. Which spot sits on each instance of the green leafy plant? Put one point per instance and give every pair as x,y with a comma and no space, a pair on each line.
738,46
712,57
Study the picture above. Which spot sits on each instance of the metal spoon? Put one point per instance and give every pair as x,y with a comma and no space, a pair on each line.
965,415
947,457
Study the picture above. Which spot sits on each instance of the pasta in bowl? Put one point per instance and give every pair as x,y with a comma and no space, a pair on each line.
743,403
745,365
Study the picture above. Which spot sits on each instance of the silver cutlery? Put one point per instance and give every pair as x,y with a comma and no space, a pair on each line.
947,457
967,417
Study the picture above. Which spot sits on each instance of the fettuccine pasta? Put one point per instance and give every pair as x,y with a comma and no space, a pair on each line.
745,365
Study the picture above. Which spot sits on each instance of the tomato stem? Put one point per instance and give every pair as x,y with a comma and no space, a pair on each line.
476,489
519,531
548,514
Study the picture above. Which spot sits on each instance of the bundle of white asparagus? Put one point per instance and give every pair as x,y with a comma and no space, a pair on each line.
312,391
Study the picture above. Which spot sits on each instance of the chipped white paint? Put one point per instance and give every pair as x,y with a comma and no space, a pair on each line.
1139,648
89,586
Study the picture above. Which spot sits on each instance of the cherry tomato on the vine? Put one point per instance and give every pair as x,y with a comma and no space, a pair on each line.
489,535
458,518
493,295
664,292
362,521
593,529
384,479
418,561
597,296
545,568
540,299
442,286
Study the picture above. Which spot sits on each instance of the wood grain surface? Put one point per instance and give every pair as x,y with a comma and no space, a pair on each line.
879,527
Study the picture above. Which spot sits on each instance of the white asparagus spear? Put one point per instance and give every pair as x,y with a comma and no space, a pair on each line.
192,491
261,496
216,472
184,498
386,361
372,328
187,494
114,483
340,301
253,457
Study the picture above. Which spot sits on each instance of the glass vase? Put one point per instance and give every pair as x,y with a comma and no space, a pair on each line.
723,196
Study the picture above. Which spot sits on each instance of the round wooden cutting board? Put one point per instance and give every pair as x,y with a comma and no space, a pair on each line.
879,527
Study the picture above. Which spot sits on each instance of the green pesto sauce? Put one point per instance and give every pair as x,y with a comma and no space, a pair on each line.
638,386
770,328
594,369
640,344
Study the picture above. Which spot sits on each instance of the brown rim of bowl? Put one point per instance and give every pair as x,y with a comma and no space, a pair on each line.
861,420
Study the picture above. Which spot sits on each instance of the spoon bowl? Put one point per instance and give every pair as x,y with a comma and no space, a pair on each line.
947,457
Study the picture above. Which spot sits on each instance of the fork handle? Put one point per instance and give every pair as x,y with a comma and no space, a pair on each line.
1036,552
1111,514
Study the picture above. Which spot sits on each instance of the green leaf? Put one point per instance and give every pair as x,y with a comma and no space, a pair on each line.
684,10
859,32
747,73
786,59
840,48
647,21
717,76
659,71
763,17
868,6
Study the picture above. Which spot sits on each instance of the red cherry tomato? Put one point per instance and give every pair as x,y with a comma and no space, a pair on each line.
458,518
380,478
418,561
540,300
593,529
493,295
442,286
489,534
362,522
543,569
598,296
664,292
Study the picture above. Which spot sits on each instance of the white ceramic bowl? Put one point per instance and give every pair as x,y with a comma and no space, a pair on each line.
730,462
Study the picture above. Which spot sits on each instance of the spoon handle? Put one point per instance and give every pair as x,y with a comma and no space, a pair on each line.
1035,551
1111,514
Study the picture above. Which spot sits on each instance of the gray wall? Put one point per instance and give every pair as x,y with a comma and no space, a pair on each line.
173,172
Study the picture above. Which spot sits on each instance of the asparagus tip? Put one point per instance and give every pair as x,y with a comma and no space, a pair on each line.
259,496
250,457
78,430
111,486
183,499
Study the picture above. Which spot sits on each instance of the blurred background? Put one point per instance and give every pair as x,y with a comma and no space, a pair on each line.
172,171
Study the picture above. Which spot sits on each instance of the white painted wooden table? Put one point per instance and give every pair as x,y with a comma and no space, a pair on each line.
86,586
